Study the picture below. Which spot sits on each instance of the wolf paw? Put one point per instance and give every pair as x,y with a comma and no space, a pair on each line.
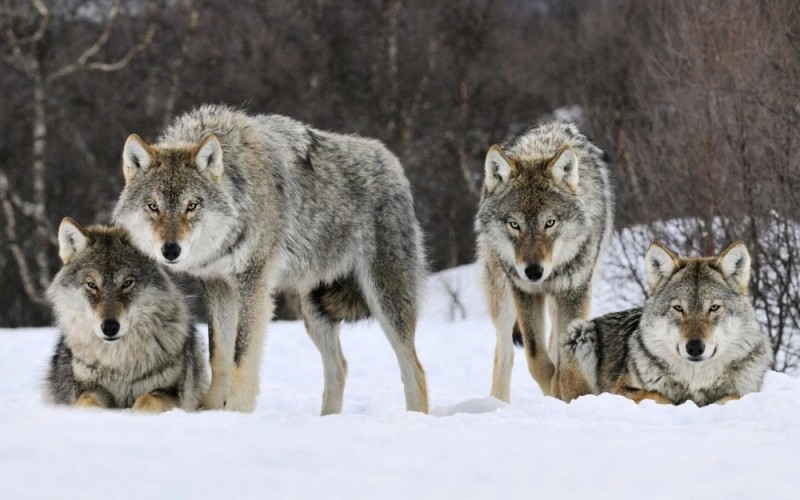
153,403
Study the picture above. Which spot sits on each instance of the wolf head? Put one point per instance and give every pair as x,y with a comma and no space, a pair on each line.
173,199
530,212
106,284
700,307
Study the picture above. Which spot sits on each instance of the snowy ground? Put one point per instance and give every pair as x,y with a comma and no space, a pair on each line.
471,447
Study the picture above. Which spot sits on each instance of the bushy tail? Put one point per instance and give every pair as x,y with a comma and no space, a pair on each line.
516,336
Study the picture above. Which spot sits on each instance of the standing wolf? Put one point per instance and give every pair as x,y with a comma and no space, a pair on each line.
125,337
253,204
696,338
545,217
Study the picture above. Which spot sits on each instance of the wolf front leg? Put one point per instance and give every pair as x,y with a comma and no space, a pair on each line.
222,308
504,315
628,388
530,316
727,399
255,310
569,381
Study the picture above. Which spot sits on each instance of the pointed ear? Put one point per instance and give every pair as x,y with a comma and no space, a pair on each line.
734,264
660,264
136,157
563,168
208,156
72,238
499,168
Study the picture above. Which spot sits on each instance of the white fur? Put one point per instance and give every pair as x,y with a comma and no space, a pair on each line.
659,264
735,264
209,157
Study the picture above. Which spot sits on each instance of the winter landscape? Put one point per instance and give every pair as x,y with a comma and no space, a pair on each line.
471,446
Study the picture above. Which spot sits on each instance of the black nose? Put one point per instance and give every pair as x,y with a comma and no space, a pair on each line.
171,251
110,327
534,272
695,348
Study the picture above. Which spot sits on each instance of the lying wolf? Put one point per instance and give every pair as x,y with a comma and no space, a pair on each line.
126,340
696,338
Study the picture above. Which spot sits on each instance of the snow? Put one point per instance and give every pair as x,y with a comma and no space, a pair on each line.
471,446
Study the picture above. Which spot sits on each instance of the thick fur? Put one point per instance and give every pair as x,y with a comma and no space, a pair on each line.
547,202
262,203
154,362
641,353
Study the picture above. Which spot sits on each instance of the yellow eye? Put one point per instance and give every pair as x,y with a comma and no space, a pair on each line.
153,207
513,225
678,308
91,285
191,206
549,223
714,307
127,284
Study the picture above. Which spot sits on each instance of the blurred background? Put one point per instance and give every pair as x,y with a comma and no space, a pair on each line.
696,101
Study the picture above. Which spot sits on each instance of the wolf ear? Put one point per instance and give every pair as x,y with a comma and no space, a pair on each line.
734,263
136,157
208,156
499,168
563,168
72,238
660,263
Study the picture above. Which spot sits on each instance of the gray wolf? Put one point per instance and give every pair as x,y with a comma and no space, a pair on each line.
696,338
126,340
251,204
545,217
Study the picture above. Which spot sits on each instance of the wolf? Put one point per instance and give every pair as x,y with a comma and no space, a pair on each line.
126,339
695,339
253,204
545,217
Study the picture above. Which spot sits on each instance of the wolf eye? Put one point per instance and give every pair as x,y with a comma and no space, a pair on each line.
91,285
513,225
127,284
549,223
153,207
191,206
678,308
714,307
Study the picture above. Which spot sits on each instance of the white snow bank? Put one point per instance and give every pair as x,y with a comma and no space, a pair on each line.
472,446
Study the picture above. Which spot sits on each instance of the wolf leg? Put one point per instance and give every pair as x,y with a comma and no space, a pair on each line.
155,402
95,398
569,381
255,311
530,315
625,387
324,332
727,399
503,314
222,308
393,302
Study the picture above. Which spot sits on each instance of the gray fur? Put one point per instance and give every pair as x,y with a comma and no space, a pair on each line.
531,180
641,349
157,351
326,215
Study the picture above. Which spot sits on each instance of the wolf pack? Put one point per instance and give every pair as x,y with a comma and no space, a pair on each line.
252,205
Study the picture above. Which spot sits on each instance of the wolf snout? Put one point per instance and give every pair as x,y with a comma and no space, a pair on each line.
695,348
171,251
110,327
534,272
